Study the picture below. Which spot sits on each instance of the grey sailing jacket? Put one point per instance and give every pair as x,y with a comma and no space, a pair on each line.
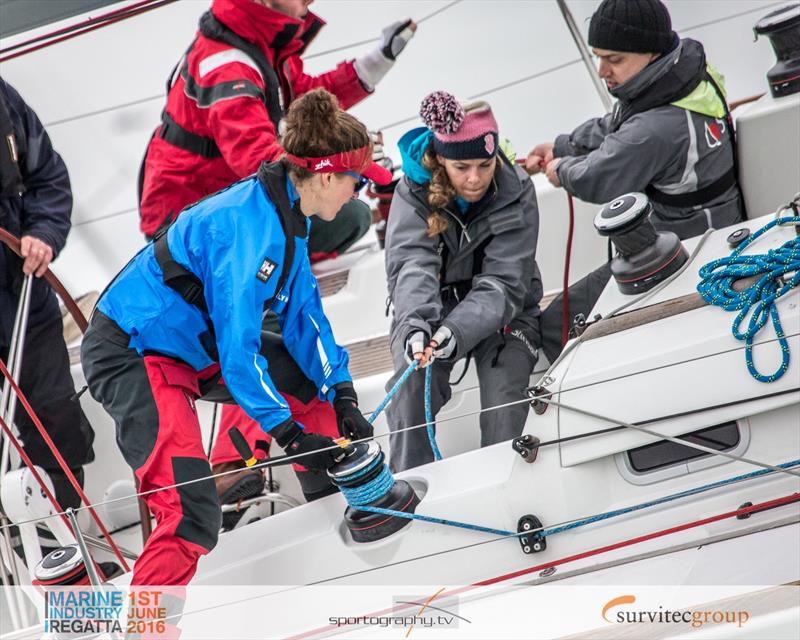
505,290
676,149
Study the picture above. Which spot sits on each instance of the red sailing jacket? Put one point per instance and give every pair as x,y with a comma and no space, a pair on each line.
218,95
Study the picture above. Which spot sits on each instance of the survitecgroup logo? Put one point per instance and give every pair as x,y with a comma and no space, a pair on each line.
694,616
70,611
410,611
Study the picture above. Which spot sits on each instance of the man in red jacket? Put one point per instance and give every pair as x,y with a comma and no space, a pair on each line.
225,100
227,95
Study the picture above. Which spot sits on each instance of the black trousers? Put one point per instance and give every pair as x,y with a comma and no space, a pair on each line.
583,295
47,384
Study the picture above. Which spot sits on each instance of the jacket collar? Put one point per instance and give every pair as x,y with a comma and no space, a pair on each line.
648,76
666,80
265,27
280,191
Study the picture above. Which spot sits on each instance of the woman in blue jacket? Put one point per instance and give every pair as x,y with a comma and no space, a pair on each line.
186,312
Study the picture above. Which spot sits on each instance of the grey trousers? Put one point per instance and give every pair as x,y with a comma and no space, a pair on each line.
504,364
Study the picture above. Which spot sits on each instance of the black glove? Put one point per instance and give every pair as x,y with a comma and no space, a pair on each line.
352,424
315,448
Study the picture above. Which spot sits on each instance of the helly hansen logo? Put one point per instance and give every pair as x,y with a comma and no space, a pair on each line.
266,269
322,164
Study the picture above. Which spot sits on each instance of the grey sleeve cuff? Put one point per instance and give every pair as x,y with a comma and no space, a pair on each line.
564,147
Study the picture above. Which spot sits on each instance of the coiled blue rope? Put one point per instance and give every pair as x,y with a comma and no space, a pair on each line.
373,490
757,300
382,484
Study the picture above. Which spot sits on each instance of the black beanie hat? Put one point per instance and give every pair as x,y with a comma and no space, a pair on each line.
638,26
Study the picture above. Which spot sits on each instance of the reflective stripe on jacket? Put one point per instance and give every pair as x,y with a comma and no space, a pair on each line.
676,148
235,244
218,94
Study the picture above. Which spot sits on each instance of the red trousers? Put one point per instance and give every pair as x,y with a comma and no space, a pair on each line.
152,401
187,517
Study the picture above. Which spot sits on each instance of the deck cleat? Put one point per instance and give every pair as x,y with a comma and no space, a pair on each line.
527,447
533,542
366,482
534,393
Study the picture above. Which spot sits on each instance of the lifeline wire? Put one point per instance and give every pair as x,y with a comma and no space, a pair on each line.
758,300
370,40
379,486
715,22
287,459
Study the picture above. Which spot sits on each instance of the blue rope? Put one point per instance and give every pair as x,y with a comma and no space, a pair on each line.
451,523
583,521
716,287
429,414
361,497
382,484
374,490
394,390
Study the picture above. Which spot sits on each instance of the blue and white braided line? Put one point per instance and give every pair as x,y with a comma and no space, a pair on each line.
757,300
429,414
393,391
372,490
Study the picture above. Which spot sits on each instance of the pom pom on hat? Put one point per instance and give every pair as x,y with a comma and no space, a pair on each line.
460,132
441,112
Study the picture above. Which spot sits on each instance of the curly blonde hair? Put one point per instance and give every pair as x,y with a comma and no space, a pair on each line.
440,193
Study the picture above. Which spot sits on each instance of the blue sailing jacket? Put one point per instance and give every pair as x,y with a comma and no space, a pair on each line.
235,243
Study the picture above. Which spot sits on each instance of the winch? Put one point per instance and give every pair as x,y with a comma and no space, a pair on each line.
366,483
63,567
645,256
782,27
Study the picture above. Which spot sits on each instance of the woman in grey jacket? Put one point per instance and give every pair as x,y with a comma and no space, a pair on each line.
462,274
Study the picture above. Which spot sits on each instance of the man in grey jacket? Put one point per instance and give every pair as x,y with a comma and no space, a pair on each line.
668,136
462,276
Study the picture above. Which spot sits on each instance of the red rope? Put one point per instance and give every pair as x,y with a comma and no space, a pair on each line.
78,25
565,320
12,438
61,463
79,29
777,502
